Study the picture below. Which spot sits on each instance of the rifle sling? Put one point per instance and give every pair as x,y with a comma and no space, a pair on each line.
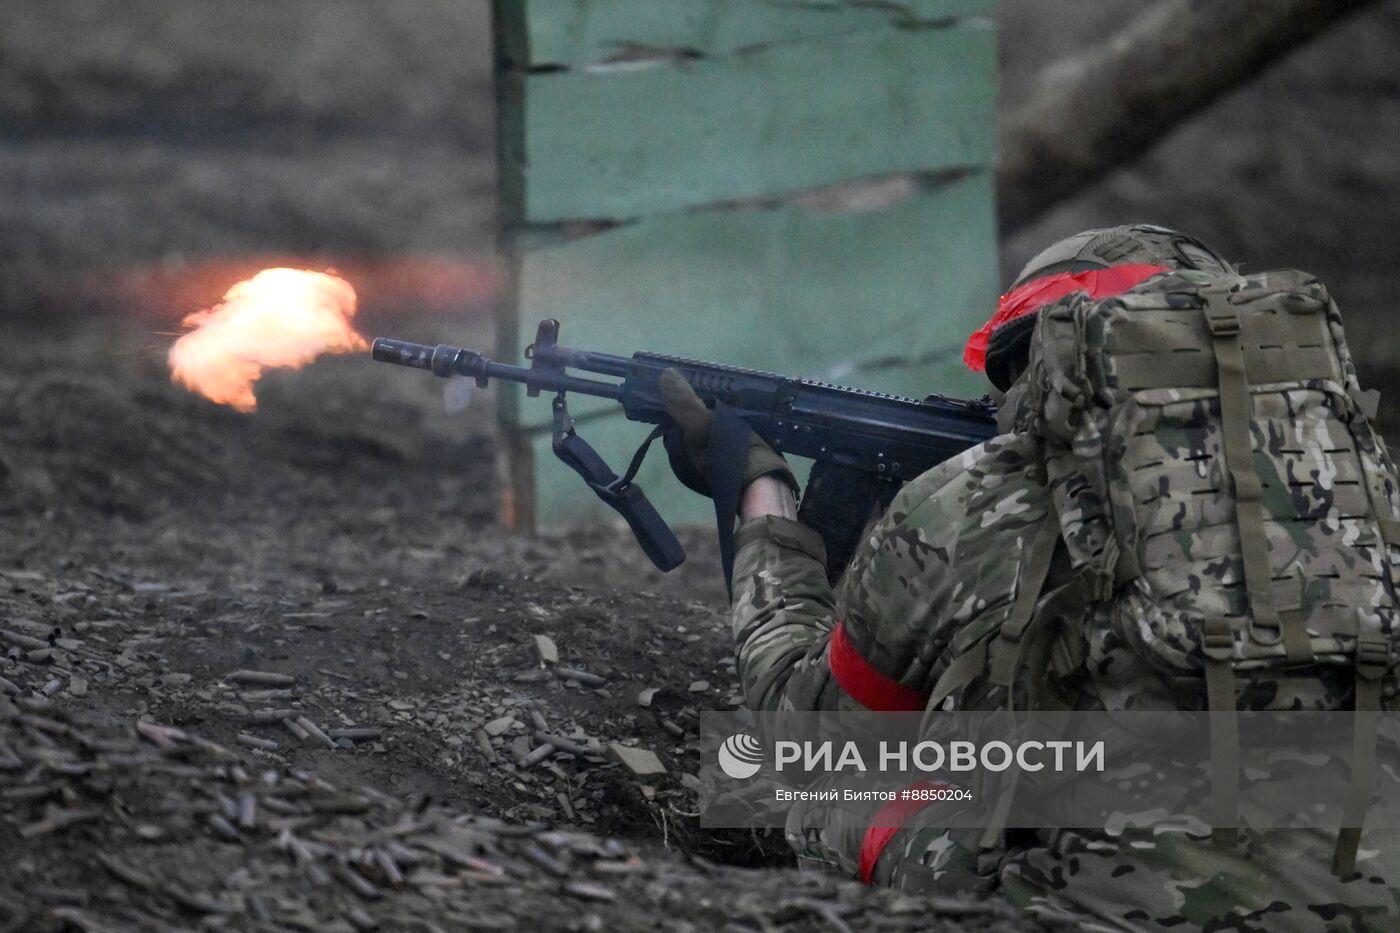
728,453
625,497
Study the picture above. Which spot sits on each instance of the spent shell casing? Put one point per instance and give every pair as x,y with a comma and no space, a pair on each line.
387,867
261,679
223,828
315,732
567,745
586,678
537,755
357,882
263,696
355,733
247,811
253,741
483,742
295,729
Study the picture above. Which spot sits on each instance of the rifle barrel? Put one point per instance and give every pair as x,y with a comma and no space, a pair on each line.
446,360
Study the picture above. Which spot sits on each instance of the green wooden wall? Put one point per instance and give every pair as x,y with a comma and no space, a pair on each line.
803,187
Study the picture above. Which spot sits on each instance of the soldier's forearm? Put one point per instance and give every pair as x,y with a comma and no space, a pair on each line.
767,495
782,615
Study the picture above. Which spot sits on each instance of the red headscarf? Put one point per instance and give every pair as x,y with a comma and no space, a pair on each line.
1037,293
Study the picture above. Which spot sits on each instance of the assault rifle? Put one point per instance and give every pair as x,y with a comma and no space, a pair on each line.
865,444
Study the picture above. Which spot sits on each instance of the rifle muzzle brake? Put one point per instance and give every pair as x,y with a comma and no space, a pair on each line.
441,360
402,352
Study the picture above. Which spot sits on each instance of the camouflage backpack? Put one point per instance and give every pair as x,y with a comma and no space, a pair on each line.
1231,517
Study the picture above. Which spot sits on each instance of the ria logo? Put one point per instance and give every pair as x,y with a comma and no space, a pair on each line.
741,756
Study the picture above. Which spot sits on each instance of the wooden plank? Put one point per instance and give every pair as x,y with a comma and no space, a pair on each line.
678,134
784,288
882,299
580,33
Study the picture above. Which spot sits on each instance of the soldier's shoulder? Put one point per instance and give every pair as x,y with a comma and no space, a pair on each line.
1004,468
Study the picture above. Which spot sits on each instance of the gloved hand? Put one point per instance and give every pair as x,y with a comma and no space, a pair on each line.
688,440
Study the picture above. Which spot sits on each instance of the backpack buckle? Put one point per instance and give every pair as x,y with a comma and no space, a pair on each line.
1223,322
1099,588
1217,640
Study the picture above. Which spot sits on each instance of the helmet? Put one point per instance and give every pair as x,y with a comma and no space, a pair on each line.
1135,244
1103,262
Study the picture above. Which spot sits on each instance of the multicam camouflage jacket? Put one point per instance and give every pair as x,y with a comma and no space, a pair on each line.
954,560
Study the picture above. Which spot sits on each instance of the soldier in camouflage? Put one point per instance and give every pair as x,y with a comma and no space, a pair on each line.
951,558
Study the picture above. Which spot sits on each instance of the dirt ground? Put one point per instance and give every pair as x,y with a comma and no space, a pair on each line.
340,544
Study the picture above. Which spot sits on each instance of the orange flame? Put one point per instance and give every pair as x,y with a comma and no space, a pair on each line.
278,319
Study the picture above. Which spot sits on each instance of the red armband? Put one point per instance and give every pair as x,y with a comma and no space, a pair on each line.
889,819
866,685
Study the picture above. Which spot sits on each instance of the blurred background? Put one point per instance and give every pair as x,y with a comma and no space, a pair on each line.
144,141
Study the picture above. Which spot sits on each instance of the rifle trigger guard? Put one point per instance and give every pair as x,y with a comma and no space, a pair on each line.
619,492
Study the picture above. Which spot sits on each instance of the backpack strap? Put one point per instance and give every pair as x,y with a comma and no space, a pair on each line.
1000,656
1000,665
1006,656
1390,530
1235,423
1041,699
1387,525
1218,649
1372,660
963,670
974,659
